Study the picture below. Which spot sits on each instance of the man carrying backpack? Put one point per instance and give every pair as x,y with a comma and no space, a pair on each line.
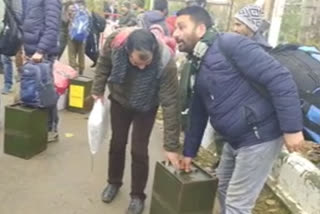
252,15
249,21
78,31
301,61
41,22
254,127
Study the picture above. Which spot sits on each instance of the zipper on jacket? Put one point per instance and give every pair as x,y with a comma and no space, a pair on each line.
256,132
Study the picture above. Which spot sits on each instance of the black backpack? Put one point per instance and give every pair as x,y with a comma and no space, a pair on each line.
304,64
11,35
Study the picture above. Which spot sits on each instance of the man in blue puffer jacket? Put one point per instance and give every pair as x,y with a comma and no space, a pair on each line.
41,24
254,125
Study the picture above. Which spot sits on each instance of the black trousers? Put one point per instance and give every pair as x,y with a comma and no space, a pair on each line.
121,120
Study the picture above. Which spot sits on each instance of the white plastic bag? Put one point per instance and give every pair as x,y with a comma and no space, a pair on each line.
97,125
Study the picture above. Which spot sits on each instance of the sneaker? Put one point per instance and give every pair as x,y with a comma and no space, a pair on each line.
6,90
53,137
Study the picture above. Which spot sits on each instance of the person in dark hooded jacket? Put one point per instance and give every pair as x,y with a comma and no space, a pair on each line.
41,24
155,16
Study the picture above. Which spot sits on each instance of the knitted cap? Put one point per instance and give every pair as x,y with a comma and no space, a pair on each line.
252,16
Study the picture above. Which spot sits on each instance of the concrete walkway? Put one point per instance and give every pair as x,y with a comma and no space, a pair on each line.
61,180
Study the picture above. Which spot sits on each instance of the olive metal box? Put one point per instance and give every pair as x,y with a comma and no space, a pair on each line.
26,131
79,99
182,193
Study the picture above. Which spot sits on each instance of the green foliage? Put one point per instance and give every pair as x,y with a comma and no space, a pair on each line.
175,6
290,25
95,5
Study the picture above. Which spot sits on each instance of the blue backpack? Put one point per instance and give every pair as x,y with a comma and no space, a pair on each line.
79,28
37,87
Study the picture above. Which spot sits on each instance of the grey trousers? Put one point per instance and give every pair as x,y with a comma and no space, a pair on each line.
242,174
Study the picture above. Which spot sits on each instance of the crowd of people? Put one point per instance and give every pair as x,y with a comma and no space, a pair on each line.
214,85
137,64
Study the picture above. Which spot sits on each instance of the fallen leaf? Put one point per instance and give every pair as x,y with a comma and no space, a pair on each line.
68,135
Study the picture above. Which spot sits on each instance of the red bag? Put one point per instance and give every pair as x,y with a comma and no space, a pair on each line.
158,31
62,73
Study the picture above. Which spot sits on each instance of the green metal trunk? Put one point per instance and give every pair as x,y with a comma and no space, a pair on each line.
26,131
182,193
79,99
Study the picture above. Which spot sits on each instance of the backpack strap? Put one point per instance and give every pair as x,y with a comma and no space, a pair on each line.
258,87
10,10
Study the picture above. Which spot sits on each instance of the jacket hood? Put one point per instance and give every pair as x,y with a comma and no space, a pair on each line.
155,16
262,41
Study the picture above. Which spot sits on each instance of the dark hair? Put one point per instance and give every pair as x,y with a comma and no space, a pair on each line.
141,40
200,3
198,14
161,5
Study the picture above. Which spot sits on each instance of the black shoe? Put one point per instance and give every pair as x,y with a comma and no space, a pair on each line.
109,193
136,206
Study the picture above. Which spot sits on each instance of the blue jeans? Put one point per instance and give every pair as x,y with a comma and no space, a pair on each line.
8,71
242,173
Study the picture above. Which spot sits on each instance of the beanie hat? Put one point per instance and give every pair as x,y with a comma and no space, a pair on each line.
252,16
